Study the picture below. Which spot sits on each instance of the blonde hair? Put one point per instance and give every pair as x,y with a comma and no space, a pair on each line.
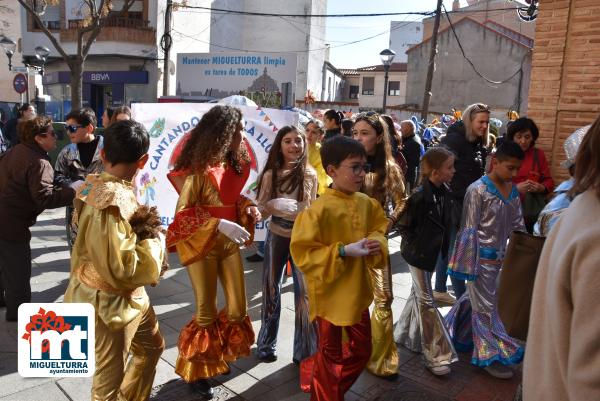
434,159
469,115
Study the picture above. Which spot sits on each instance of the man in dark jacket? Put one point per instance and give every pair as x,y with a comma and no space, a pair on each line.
467,139
26,189
412,149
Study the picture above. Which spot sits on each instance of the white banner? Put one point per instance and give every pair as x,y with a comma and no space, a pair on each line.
168,122
267,78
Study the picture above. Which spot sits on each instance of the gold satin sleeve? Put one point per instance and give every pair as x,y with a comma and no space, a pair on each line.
377,227
111,246
399,198
314,159
316,260
196,191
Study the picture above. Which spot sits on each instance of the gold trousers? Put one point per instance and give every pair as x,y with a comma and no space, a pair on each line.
384,359
142,338
212,339
421,327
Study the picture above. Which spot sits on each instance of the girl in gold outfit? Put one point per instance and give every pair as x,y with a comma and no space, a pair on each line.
212,220
385,183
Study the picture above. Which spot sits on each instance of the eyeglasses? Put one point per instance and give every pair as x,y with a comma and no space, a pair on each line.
359,168
73,128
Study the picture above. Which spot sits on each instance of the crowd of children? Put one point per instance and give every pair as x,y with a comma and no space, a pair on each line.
332,205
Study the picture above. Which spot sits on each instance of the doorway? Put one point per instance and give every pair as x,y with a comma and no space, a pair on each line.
101,97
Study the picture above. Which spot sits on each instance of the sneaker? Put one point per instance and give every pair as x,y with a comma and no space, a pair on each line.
268,358
255,258
499,371
203,388
439,370
444,297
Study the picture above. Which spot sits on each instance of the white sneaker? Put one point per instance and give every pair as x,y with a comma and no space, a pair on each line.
499,371
444,297
439,370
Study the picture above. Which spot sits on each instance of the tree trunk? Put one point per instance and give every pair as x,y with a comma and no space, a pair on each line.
76,83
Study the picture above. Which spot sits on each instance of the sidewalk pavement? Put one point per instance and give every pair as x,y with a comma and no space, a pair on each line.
249,378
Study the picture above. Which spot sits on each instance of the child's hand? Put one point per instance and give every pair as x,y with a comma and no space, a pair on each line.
373,246
253,212
356,249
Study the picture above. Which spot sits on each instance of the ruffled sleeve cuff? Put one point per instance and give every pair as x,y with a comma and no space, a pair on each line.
192,234
465,259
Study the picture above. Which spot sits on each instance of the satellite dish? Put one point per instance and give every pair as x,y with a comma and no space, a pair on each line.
171,67
530,13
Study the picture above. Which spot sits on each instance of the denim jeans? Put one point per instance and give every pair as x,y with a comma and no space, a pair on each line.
441,275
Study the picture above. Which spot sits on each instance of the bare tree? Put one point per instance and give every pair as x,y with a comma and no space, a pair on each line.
96,12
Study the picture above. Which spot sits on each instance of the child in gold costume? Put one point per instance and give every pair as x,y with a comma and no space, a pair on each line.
212,220
385,183
335,243
110,266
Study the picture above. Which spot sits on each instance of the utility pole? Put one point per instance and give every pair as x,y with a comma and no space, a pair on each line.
427,95
165,43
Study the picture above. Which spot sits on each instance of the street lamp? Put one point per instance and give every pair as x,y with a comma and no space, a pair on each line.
387,56
9,47
42,53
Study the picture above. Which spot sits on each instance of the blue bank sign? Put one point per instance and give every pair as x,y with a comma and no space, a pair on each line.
98,77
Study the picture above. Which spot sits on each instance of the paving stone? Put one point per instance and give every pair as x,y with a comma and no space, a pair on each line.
78,388
11,381
287,391
178,390
246,386
46,391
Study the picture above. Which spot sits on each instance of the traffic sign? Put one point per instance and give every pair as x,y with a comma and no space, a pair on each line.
20,83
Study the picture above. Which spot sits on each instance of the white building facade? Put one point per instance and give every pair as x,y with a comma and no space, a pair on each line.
125,63
404,35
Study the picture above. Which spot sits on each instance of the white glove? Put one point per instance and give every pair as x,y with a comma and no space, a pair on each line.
233,231
356,249
283,205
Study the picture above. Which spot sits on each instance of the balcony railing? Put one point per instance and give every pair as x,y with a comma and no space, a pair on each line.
116,22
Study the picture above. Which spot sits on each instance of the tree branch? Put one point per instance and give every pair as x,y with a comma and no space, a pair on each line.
53,40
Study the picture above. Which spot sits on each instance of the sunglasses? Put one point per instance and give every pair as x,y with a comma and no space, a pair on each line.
73,128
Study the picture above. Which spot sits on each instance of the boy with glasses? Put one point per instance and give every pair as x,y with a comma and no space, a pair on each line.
334,242
79,158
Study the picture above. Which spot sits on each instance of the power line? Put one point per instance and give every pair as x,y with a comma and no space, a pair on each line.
469,60
290,51
261,14
423,13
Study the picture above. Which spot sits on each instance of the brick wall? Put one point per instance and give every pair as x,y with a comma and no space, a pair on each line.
564,92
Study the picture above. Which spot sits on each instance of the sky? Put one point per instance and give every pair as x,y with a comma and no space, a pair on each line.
344,30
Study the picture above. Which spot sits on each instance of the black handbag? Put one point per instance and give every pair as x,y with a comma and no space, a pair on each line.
516,282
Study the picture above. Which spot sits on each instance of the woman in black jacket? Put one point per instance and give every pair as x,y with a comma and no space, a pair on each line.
425,228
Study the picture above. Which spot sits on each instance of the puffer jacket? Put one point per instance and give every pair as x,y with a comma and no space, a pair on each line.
470,159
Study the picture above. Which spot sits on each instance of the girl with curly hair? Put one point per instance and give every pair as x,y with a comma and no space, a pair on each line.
286,186
212,220
385,183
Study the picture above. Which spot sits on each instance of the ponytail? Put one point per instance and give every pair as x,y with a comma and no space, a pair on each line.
337,116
